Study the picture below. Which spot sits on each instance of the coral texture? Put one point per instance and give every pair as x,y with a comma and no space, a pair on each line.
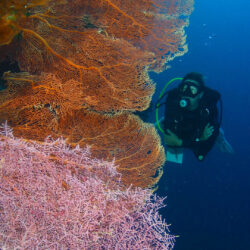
11,14
54,197
135,145
88,64
105,46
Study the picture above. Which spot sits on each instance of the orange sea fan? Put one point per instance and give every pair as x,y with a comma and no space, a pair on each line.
107,46
134,144
12,13
36,111
88,64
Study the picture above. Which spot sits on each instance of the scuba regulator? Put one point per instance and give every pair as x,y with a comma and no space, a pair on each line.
184,103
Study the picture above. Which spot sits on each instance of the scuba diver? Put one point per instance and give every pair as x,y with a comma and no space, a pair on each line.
191,117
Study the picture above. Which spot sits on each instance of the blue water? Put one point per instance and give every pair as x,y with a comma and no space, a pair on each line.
209,202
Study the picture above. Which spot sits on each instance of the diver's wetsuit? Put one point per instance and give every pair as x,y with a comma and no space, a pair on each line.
189,125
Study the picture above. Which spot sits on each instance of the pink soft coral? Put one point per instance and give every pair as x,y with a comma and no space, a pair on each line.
54,197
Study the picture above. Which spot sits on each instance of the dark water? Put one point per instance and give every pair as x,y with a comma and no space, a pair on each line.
209,202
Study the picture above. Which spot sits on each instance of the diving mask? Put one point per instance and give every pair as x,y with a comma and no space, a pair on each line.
188,89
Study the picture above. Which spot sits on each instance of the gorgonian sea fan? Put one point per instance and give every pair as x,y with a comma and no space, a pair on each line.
55,197
84,70
100,50
11,14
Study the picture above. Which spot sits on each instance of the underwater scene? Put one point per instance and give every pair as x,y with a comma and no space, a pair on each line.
208,202
124,124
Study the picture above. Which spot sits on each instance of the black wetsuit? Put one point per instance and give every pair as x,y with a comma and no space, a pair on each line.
189,125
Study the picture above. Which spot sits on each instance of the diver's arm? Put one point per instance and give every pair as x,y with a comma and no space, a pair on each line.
207,132
201,148
208,137
172,140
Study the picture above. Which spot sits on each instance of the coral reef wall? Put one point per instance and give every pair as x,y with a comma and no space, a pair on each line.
87,66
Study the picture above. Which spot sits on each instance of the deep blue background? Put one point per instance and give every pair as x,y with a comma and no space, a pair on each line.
208,203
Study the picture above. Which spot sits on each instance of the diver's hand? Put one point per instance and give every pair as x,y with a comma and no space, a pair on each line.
172,139
207,132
